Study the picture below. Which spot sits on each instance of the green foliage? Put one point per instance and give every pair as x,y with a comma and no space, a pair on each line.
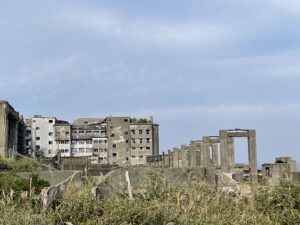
164,201
281,203
22,165
10,181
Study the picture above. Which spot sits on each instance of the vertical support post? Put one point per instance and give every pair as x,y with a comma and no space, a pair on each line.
199,154
193,159
215,154
206,161
176,157
225,165
231,152
163,159
184,161
252,157
169,158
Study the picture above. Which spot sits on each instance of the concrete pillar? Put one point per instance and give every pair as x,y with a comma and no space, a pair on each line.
193,159
169,158
225,164
206,161
215,153
199,154
163,159
184,160
231,152
175,157
3,131
252,156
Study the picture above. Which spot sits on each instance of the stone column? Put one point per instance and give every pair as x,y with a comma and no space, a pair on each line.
199,154
215,153
252,156
163,159
175,157
206,161
169,158
225,168
231,152
184,161
193,160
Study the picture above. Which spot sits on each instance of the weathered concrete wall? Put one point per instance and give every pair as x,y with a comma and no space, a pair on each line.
57,177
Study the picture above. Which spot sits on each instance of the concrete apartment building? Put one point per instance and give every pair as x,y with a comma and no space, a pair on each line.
40,136
113,140
12,131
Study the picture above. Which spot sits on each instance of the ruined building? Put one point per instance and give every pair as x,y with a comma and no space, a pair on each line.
110,140
213,157
12,131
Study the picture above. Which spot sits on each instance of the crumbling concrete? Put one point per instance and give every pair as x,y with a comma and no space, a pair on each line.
12,131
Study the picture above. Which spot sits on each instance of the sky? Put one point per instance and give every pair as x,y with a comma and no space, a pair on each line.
197,66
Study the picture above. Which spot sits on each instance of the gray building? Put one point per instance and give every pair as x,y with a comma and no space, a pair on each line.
113,140
12,131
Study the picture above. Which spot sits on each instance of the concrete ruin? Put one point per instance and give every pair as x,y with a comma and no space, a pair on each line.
283,167
213,157
12,131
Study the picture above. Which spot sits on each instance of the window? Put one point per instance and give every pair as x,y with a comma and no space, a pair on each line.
127,141
133,140
37,128
67,133
89,150
126,132
38,147
74,131
96,131
148,148
125,120
88,131
50,121
96,141
50,133
141,141
89,141
74,142
81,150
114,154
111,127
112,135
140,131
81,131
37,138
148,140
114,145
141,148
105,141
103,131
133,131
141,157
50,142
74,150
81,142
147,131
133,156
66,150
133,148
127,158
105,150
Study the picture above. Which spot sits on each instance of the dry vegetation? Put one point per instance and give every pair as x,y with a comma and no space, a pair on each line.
164,202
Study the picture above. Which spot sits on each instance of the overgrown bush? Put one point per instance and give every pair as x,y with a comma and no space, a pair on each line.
22,165
164,201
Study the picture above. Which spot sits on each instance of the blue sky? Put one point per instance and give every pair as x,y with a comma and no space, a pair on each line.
196,66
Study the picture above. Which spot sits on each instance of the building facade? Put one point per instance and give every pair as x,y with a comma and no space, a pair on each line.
112,140
12,131
40,139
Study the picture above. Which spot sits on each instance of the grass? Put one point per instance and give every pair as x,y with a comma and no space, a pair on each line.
193,202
